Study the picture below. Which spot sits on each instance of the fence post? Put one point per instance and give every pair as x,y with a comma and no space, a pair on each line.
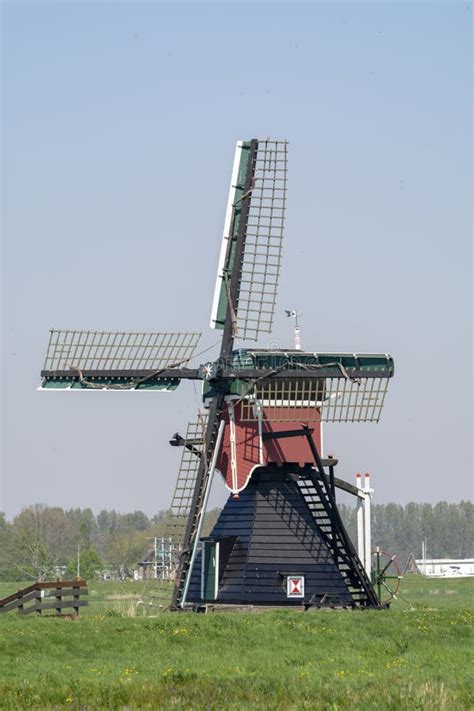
75,592
58,593
39,600
20,607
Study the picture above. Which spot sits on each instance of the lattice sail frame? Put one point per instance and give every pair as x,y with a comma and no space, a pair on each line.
335,399
263,242
117,350
332,387
185,483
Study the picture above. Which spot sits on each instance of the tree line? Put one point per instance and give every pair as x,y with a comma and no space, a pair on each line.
448,529
43,542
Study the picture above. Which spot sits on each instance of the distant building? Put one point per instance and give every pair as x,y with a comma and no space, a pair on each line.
407,563
159,562
446,568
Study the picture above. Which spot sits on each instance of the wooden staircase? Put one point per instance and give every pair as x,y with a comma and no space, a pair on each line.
332,531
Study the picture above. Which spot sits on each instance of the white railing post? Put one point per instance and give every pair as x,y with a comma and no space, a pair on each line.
367,524
360,520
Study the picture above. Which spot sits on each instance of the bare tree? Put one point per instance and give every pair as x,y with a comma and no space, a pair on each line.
42,538
124,549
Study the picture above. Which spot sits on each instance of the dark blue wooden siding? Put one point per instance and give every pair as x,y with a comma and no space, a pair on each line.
276,535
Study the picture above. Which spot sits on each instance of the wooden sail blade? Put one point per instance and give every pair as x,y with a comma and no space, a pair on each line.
264,241
337,387
259,268
116,359
335,399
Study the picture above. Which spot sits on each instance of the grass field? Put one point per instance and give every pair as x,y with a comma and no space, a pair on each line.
418,655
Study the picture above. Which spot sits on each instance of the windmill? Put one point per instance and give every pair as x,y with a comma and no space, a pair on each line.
279,539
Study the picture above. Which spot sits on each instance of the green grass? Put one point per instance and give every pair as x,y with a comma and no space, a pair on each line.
415,656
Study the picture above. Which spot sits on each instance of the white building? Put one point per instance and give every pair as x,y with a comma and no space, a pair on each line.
446,568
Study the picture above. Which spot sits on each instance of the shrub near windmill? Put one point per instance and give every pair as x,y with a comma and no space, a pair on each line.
279,539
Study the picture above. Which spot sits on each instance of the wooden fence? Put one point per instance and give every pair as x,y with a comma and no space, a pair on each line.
49,597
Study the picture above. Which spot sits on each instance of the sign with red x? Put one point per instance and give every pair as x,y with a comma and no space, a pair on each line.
295,586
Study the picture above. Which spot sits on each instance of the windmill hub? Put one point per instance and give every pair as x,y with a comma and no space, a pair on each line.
279,539
208,371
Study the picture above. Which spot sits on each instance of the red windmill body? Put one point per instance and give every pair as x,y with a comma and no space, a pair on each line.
245,447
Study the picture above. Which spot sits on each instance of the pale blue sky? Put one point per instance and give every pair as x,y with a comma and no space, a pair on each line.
119,124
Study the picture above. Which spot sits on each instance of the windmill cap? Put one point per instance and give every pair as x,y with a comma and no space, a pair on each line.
358,475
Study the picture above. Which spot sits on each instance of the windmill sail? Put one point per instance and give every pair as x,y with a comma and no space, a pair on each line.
263,240
181,504
115,359
339,387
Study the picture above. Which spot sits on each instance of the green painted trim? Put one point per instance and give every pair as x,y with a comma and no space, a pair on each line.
372,363
210,571
126,384
236,200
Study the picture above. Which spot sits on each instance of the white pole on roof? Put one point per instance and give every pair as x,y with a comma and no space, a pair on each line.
297,333
292,313
297,338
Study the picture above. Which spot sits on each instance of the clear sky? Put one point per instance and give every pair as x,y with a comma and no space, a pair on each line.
119,123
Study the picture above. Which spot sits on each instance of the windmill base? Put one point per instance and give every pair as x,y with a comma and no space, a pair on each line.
214,607
281,543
